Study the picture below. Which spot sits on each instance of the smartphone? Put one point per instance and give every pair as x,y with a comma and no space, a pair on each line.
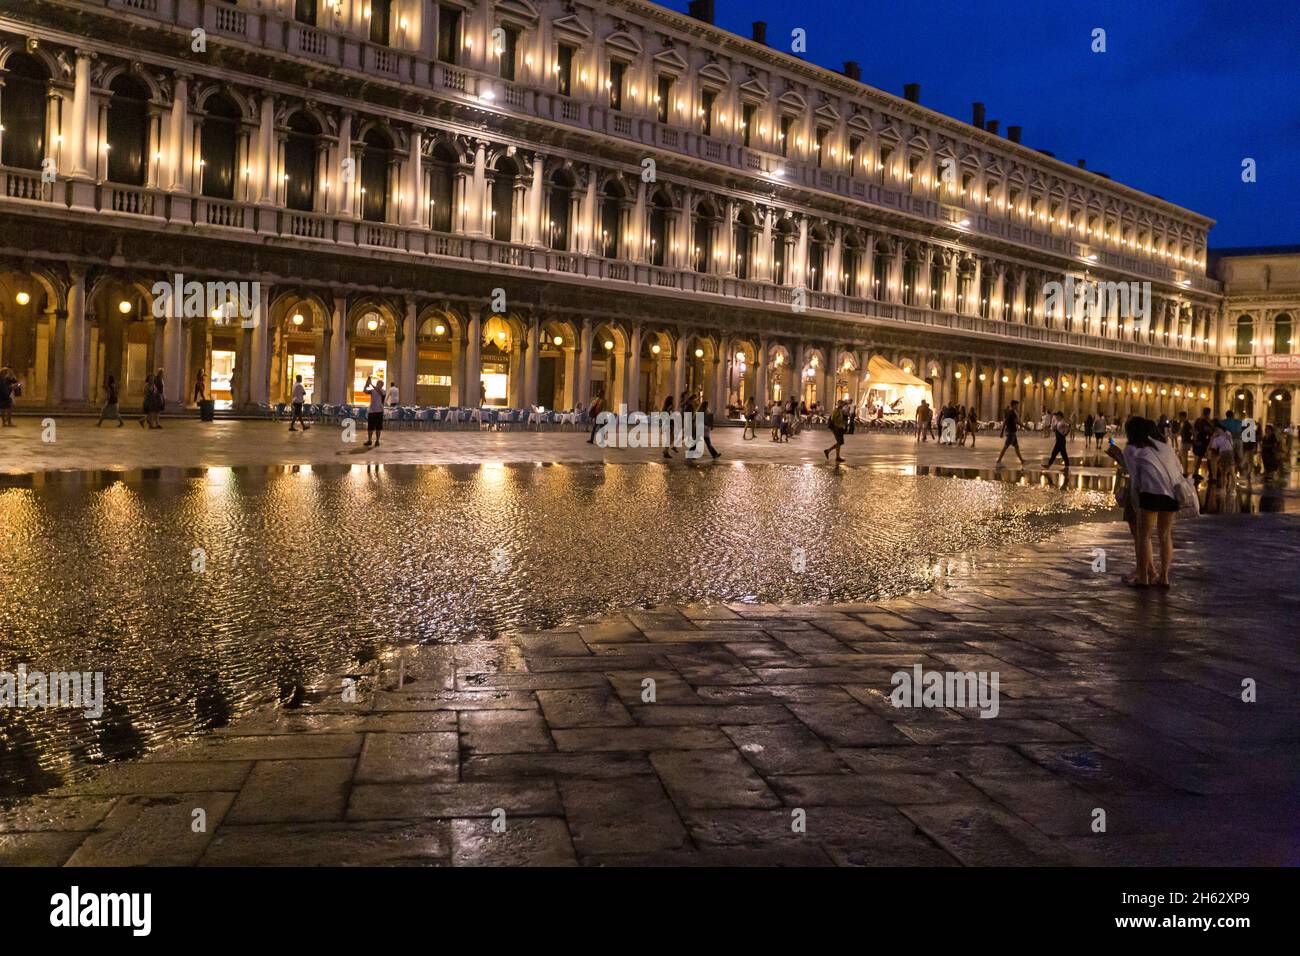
1112,442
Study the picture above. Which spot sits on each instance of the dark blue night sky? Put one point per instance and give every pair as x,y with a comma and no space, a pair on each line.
1185,91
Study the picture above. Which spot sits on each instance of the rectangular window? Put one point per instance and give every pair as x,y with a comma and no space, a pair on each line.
885,154
617,71
381,15
707,99
855,146
449,34
564,70
787,124
509,52
820,146
664,98
747,121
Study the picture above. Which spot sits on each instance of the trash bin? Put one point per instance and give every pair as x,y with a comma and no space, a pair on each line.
207,410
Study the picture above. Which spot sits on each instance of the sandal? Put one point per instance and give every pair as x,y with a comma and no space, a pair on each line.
1131,581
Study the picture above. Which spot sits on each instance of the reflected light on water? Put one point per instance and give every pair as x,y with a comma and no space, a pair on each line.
314,571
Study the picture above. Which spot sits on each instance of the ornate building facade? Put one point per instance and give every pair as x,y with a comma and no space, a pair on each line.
1261,359
538,201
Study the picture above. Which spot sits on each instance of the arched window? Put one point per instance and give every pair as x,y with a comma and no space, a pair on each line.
659,212
219,145
128,131
1283,329
706,220
503,199
376,161
1009,284
301,152
936,282
818,247
1245,331
562,183
442,182
22,112
611,220
743,239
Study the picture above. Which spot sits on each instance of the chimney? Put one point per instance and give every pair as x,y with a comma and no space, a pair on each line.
760,32
977,115
912,92
1013,133
992,127
852,70
1048,153
1081,164
701,10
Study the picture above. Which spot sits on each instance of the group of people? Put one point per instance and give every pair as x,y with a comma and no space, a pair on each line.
956,424
154,404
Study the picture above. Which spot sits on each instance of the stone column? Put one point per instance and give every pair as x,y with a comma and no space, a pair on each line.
532,358
410,353
76,341
760,375
586,334
340,381
632,370
175,386
415,189
471,393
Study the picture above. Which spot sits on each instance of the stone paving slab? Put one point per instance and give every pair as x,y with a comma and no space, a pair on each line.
770,737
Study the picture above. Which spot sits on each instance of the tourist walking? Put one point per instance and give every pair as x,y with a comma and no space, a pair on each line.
1087,430
1010,426
10,388
838,424
668,414
972,426
1099,428
597,404
1270,452
1060,430
296,400
200,392
110,408
159,399
375,413
924,415
392,397
751,420
708,430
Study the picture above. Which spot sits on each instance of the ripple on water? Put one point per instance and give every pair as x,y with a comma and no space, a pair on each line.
309,571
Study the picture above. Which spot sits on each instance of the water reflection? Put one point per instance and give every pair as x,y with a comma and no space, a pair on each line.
313,571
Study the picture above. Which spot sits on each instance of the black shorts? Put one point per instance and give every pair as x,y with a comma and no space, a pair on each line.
375,421
839,435
1012,440
1150,502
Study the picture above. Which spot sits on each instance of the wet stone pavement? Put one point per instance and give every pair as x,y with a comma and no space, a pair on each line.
1115,700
